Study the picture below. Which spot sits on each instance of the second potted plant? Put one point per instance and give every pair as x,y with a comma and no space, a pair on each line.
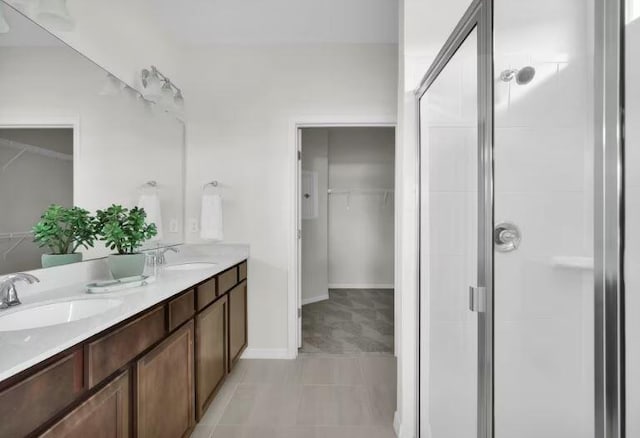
63,231
125,231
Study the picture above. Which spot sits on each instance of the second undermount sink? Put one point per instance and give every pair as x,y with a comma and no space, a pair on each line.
189,266
46,315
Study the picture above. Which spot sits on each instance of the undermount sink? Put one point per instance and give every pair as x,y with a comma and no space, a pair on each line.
46,315
190,266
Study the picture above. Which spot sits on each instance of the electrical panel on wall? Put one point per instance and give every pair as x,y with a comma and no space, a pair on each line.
309,194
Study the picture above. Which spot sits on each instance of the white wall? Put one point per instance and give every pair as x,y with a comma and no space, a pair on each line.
122,142
361,229
315,240
118,35
243,104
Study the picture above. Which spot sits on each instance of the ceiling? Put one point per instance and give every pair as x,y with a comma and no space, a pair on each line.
250,22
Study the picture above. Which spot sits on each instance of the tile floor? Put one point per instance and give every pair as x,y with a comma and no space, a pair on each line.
350,321
314,396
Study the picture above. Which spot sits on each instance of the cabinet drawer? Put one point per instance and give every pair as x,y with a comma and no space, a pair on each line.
105,414
227,280
181,309
107,354
30,403
207,292
242,271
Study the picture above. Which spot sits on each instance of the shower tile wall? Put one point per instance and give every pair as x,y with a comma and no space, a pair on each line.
449,163
543,184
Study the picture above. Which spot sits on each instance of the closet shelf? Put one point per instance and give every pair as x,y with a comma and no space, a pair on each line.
22,148
360,191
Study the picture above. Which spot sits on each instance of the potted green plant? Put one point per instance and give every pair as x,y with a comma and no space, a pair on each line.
125,231
63,231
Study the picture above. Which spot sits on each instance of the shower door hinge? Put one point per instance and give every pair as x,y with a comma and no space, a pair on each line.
299,234
477,298
299,155
299,312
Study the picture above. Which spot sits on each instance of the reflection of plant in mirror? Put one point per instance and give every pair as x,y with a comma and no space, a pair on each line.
124,230
64,230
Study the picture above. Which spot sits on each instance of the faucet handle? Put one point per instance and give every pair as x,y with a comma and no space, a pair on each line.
8,291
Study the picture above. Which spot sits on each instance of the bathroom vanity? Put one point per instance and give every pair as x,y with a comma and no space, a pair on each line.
151,374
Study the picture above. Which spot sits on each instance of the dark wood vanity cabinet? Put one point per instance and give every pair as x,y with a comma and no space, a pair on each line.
152,375
165,387
237,322
32,401
104,414
211,352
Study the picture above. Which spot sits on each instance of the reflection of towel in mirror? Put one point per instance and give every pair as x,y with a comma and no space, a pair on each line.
151,204
211,217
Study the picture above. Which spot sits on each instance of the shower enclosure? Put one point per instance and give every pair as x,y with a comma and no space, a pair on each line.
530,223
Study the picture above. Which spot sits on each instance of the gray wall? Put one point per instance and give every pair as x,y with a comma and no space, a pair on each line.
361,230
28,186
315,270
350,244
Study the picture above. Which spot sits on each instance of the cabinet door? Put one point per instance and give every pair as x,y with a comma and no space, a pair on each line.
211,352
237,322
105,414
165,387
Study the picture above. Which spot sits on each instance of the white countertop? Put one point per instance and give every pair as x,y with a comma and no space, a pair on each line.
22,349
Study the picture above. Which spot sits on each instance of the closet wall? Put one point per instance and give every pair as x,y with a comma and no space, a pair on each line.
361,174
28,186
349,243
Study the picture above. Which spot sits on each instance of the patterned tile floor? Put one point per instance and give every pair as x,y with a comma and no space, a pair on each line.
350,321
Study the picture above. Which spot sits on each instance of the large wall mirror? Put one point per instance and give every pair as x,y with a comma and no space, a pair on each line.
72,134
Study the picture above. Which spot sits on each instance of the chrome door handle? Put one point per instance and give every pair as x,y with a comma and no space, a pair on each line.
477,298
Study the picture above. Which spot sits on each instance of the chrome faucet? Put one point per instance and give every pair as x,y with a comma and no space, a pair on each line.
8,291
160,258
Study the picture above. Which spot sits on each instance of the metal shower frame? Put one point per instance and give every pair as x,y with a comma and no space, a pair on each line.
609,309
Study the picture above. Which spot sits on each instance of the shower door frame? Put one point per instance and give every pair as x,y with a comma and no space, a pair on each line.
609,226
479,16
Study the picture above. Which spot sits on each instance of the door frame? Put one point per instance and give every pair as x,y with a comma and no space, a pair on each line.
609,208
479,16
295,257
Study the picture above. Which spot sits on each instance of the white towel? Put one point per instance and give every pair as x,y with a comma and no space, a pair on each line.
211,217
151,204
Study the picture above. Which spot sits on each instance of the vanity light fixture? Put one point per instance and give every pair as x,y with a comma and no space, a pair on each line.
54,13
179,99
159,89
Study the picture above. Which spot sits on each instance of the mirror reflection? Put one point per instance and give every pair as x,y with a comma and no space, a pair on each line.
74,135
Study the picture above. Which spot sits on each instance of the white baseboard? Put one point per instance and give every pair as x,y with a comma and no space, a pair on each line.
265,353
315,299
360,286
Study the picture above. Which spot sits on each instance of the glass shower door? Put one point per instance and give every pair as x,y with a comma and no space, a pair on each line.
449,159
